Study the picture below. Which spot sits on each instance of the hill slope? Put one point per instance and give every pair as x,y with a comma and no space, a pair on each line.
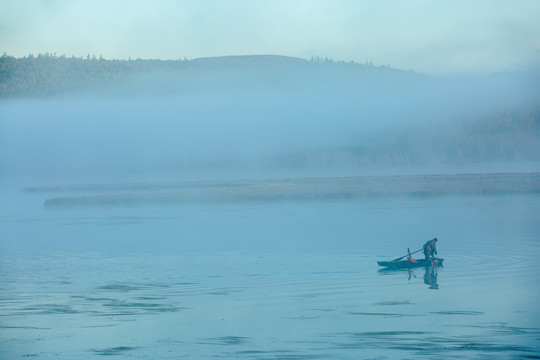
263,111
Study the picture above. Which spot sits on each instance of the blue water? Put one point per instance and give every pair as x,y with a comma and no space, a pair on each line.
290,280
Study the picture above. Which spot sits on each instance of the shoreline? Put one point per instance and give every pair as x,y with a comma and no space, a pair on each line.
313,188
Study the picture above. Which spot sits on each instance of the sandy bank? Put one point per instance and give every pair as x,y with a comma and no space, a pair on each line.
289,189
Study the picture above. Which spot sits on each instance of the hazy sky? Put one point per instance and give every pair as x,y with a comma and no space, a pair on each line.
429,36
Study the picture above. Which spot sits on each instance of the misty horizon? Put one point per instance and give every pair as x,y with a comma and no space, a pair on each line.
256,116
266,179
435,38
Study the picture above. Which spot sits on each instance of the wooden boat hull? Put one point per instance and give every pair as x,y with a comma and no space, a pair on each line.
406,264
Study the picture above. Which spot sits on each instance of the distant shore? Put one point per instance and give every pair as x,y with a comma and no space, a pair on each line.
287,189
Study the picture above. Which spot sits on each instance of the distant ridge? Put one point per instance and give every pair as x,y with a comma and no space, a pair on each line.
252,60
49,74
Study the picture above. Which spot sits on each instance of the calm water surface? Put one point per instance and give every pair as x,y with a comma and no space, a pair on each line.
270,280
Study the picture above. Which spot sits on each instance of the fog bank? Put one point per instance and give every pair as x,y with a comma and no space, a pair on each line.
270,117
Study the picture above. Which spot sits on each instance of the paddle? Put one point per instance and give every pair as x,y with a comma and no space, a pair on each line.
409,254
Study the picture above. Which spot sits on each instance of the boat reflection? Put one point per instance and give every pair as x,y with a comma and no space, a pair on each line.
430,275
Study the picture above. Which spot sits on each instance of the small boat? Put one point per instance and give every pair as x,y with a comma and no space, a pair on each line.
411,263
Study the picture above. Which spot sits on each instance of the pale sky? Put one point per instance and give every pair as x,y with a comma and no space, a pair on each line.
436,37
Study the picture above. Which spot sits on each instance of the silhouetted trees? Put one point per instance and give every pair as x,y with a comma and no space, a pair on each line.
47,74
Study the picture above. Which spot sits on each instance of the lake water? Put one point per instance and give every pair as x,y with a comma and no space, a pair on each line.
278,280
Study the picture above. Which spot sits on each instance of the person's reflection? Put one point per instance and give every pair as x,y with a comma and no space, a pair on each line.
430,277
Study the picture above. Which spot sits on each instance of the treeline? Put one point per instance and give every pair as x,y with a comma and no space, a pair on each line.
508,137
48,74
513,135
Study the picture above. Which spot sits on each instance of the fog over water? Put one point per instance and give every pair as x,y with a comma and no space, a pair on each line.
239,211
267,122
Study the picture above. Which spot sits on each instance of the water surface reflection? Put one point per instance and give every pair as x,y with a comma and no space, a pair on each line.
271,280
429,274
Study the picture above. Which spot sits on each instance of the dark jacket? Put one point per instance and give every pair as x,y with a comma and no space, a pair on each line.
430,248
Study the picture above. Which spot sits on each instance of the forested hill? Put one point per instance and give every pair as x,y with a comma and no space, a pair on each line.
48,74
297,113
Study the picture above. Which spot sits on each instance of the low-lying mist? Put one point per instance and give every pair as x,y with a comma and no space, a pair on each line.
270,120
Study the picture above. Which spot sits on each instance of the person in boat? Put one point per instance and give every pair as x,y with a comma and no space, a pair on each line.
430,249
